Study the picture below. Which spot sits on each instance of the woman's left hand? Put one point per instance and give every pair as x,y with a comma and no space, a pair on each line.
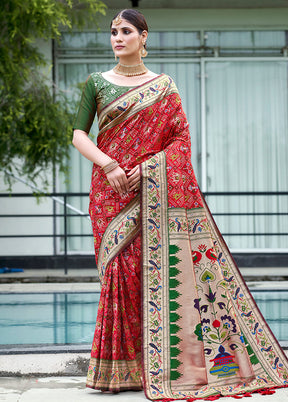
134,178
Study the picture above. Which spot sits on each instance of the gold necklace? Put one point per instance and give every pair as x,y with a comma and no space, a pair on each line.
130,71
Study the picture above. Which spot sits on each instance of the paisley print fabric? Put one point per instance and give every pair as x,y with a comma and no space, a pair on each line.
200,334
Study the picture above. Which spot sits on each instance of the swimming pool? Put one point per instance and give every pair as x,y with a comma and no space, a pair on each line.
55,318
69,317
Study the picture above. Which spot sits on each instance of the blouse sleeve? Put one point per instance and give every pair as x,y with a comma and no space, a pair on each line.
87,108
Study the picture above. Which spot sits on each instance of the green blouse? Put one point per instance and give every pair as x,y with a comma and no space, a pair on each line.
97,93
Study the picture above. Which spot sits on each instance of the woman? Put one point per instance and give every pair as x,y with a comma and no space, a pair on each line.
158,249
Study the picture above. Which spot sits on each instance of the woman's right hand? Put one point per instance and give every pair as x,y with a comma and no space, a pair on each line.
118,181
116,177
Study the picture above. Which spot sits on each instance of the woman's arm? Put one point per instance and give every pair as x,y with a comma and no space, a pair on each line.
87,148
117,177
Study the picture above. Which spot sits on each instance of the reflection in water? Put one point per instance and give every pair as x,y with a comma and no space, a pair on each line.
69,318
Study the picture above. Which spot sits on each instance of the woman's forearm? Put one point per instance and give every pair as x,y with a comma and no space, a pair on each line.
87,148
117,177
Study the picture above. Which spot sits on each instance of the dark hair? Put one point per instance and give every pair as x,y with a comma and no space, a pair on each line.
134,17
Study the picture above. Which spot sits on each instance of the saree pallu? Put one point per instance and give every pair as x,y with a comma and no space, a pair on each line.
175,316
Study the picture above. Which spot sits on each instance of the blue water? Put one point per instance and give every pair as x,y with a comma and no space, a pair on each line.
55,318
69,318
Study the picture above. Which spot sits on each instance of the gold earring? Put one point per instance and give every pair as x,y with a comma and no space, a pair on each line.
143,50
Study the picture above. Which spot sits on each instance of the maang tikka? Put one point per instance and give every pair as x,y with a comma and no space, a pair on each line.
117,21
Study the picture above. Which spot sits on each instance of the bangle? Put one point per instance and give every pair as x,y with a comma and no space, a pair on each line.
110,166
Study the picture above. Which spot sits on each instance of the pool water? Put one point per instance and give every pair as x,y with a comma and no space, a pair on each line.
69,318
41,318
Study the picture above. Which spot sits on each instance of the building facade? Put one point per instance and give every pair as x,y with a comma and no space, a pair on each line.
231,68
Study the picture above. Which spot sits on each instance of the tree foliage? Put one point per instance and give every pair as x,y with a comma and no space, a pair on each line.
35,121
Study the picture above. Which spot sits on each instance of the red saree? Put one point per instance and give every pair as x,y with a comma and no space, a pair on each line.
200,334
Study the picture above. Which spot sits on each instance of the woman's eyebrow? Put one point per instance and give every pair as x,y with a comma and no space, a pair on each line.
115,29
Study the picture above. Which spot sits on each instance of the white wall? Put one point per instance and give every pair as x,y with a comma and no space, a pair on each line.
196,19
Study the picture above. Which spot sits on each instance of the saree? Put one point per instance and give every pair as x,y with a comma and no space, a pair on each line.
175,316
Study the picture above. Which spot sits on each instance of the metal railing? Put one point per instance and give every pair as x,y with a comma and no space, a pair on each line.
62,198
58,198
253,194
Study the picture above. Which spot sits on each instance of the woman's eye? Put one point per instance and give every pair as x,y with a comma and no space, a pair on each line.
127,32
113,33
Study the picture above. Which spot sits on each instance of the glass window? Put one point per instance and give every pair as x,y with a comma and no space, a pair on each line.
97,44
247,42
247,145
245,116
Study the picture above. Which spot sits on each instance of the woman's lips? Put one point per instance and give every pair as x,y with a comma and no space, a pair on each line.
119,47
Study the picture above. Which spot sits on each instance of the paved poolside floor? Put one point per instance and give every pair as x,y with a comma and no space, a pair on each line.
72,389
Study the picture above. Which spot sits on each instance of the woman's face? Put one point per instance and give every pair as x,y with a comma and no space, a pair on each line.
126,40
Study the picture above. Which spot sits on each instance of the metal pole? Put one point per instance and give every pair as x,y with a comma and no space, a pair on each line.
65,234
203,129
66,317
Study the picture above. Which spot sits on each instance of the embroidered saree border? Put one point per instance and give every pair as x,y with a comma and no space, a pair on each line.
135,100
120,231
155,258
259,336
170,236
112,373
